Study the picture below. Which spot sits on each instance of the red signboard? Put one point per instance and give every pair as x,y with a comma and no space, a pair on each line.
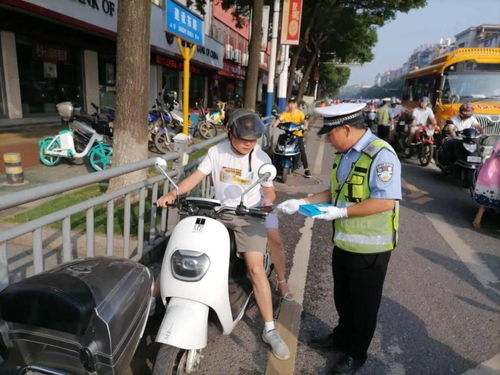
232,70
292,15
175,64
56,55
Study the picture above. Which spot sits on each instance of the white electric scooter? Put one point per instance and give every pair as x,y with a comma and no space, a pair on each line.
201,271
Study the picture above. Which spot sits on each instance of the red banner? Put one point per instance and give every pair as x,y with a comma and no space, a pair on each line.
290,26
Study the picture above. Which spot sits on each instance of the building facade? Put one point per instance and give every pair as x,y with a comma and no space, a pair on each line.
479,36
65,50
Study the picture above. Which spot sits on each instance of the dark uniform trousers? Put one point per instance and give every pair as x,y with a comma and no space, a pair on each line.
358,283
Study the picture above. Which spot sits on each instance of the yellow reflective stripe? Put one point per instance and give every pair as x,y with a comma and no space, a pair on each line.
13,170
364,240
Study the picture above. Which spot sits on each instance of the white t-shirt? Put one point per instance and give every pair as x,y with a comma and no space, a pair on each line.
464,124
231,174
422,115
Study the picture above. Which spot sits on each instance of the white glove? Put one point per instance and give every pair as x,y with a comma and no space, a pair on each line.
291,206
332,213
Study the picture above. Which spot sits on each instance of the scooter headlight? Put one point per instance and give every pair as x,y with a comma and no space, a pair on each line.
471,147
188,265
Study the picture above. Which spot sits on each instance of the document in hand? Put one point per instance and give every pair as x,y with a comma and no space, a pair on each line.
312,209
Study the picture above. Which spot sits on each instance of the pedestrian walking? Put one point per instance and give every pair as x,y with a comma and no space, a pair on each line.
384,119
364,193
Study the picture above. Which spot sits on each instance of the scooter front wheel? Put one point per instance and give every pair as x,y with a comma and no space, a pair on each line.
100,156
171,360
49,160
284,175
425,155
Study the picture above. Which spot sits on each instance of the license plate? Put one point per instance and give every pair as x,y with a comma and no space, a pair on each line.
474,159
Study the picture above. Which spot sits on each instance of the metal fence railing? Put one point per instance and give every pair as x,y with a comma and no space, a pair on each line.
43,247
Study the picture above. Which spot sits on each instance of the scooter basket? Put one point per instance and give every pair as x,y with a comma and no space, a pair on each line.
83,317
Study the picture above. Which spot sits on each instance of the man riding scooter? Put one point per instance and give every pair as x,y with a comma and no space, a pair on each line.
464,120
295,115
233,166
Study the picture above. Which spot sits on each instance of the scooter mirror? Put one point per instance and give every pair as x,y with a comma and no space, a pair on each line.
267,172
161,165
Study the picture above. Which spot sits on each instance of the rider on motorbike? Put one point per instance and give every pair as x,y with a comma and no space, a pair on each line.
233,166
422,115
463,120
295,115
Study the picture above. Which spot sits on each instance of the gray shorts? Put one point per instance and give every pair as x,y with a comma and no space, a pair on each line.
250,233
272,220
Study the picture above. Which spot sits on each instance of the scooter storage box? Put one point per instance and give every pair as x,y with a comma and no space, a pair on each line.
83,317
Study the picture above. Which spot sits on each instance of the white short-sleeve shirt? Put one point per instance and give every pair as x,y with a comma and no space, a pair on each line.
422,115
233,173
464,124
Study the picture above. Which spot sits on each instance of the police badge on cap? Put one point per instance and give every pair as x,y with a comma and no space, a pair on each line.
340,114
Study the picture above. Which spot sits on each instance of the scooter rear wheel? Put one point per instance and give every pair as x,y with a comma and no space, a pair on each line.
207,130
171,360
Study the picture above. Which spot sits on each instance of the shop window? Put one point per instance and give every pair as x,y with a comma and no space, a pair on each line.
197,90
170,80
107,81
48,74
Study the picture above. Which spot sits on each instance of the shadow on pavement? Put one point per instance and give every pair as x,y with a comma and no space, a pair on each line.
459,269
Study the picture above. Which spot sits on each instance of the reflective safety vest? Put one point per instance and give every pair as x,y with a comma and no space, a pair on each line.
363,234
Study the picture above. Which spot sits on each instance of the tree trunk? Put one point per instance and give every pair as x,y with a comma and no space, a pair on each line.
130,143
252,76
305,78
292,70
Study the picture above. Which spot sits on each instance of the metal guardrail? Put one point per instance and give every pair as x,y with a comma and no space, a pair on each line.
37,254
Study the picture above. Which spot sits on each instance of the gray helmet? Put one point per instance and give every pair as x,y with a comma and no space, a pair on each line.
424,99
245,124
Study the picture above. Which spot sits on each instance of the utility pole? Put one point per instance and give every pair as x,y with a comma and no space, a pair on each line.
283,80
272,62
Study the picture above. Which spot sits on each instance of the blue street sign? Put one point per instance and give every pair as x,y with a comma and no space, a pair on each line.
183,23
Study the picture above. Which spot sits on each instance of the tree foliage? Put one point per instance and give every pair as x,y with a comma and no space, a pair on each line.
332,78
344,30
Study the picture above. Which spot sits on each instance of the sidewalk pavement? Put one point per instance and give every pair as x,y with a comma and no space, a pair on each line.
25,141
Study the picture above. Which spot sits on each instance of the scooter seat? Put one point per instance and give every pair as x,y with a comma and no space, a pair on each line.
55,301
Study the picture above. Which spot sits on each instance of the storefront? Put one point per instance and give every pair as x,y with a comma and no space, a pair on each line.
48,74
68,53
229,82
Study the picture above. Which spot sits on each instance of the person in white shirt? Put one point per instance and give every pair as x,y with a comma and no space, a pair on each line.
464,120
422,116
233,166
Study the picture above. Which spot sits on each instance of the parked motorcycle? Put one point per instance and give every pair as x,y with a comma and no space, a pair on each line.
203,281
461,157
286,156
79,141
423,147
84,317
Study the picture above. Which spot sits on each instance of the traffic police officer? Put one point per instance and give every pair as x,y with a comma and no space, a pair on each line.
364,193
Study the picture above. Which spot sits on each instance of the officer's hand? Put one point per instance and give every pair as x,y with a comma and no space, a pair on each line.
332,213
291,206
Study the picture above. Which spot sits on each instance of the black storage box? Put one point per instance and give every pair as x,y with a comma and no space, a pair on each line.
83,317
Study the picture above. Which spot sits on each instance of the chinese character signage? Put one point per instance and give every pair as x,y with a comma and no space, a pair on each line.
183,23
292,14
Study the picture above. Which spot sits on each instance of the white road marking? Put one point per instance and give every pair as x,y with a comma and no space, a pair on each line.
288,322
466,254
489,367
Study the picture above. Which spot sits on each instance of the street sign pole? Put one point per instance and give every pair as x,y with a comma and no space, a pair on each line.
187,26
187,54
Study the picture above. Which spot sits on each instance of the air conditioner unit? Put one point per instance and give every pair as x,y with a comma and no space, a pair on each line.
237,56
244,59
229,50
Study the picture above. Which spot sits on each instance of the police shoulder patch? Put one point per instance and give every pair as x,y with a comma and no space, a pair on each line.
385,171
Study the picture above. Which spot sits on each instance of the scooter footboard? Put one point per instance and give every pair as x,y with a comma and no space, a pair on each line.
184,325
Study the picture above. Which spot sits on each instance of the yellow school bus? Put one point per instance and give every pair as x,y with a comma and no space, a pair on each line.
466,75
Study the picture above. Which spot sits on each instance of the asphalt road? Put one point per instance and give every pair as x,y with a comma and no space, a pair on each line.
440,312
